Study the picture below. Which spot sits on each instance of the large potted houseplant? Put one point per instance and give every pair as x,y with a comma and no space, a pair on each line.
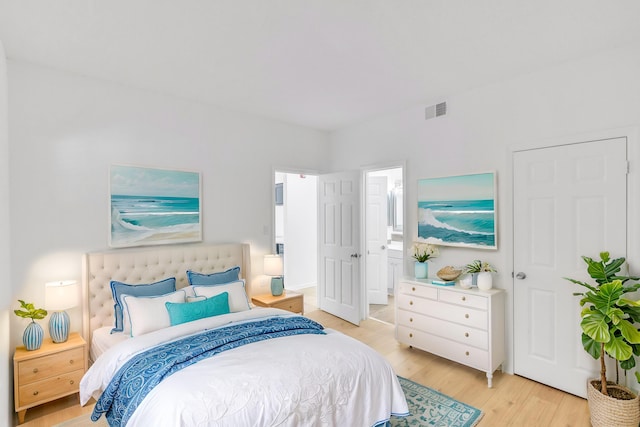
609,328
33,333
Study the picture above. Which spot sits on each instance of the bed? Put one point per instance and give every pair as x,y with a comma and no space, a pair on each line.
242,366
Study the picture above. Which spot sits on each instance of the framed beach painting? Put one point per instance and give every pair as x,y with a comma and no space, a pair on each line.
458,210
154,206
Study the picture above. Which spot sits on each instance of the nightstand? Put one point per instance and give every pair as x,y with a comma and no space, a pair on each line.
289,300
51,372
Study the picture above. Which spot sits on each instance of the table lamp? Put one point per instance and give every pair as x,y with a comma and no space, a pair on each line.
59,296
273,267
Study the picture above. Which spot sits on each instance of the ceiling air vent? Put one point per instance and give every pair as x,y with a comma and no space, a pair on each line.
436,110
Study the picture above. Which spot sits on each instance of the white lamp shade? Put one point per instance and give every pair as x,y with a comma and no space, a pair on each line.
61,295
273,265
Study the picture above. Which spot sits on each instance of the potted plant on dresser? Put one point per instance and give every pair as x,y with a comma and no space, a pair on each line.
609,319
422,253
480,272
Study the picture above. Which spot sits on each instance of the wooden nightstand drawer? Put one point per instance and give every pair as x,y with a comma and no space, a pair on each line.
47,389
294,305
46,374
289,300
52,365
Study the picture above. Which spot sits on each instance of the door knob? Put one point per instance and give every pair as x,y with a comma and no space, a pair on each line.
521,275
383,247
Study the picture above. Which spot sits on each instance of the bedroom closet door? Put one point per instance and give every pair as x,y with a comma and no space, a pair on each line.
569,201
339,290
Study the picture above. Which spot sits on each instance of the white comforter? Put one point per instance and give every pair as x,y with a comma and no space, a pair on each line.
302,380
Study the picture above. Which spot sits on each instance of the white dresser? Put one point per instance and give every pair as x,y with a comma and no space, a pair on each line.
463,325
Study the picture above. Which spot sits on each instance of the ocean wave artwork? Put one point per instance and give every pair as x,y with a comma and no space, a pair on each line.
458,211
154,206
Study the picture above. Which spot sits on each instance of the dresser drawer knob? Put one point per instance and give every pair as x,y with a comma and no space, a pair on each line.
35,370
410,302
35,393
466,316
71,382
466,334
411,319
464,298
71,362
466,353
410,335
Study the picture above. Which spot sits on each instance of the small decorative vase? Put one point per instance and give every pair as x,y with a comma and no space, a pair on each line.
277,286
485,280
466,281
32,336
421,270
59,326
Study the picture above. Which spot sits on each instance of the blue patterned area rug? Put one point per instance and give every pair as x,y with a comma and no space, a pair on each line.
431,408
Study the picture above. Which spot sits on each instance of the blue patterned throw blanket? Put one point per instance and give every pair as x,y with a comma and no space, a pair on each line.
137,377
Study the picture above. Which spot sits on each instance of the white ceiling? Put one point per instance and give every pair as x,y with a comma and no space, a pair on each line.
324,64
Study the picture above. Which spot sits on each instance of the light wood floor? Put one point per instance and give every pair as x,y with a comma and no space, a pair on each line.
513,400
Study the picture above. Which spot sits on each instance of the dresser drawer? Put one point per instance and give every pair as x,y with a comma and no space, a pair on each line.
294,305
454,332
418,290
462,315
463,299
50,388
52,365
461,353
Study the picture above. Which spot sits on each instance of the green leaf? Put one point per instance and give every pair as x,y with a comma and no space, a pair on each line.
629,332
578,282
595,326
618,349
630,363
590,346
607,295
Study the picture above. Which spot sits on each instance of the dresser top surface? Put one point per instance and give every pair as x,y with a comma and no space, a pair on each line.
455,288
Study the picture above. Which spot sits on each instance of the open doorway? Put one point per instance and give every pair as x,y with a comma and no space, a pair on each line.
384,216
296,235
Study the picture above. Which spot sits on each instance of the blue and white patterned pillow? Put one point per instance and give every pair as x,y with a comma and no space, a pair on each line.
143,290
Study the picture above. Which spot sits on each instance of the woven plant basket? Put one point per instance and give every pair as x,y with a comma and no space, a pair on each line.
607,411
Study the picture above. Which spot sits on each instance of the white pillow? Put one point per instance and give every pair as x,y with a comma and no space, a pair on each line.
147,314
238,300
189,291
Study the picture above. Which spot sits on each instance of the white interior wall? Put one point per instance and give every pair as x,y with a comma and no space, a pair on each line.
6,412
67,129
482,126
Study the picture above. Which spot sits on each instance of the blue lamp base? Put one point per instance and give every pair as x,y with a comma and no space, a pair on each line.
59,326
277,286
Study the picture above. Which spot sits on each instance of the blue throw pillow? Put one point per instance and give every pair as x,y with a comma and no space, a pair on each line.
220,278
190,311
145,290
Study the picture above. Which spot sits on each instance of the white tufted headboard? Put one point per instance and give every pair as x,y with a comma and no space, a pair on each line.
147,265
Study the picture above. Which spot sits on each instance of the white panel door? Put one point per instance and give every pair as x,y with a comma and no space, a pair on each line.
376,264
569,201
339,290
